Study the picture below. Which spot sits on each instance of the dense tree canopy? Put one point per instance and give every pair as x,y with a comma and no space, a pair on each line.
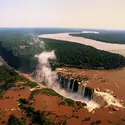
13,120
8,78
83,56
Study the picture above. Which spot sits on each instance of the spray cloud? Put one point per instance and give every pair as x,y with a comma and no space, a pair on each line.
34,40
44,71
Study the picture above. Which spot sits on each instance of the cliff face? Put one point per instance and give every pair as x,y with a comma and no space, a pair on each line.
24,63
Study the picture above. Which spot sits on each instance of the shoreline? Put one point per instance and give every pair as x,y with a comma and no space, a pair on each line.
113,48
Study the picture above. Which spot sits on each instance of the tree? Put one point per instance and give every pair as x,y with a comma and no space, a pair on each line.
13,120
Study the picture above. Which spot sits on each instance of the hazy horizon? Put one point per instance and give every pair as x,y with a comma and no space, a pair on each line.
86,14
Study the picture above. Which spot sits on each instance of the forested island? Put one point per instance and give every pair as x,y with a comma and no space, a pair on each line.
105,36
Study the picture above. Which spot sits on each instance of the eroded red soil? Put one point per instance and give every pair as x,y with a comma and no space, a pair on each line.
50,103
102,79
9,105
104,115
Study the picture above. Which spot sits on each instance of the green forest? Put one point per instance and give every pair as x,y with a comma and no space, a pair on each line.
19,46
17,57
83,56
9,77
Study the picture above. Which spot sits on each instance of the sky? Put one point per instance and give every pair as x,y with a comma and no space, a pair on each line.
99,14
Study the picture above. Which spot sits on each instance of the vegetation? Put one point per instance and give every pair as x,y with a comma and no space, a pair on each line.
18,47
34,93
107,36
82,56
87,119
77,116
23,101
98,122
78,103
37,117
9,76
47,91
51,92
109,121
8,79
61,103
13,120
30,110
70,102
31,84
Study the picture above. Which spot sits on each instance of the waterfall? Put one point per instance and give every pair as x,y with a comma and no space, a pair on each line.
62,82
92,95
80,89
76,86
83,91
59,79
88,92
73,85
66,84
69,83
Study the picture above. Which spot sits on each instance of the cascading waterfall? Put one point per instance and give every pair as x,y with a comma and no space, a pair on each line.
66,83
69,85
80,89
76,87
72,85
83,90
